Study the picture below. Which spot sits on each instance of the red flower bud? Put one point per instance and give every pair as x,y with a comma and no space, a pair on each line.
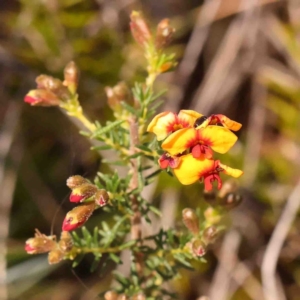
198,248
78,216
82,192
42,98
101,197
139,28
40,243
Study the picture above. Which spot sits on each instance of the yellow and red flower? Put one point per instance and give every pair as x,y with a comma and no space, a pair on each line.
168,122
200,141
190,139
191,170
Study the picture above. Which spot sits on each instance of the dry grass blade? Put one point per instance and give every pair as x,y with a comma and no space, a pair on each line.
275,244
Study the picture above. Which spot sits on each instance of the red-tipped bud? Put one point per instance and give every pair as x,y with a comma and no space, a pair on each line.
101,197
110,295
210,234
190,220
82,192
198,248
75,181
122,297
78,216
40,243
71,76
55,256
139,28
164,34
42,98
66,242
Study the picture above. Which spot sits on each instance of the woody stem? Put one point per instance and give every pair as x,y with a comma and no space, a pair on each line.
136,225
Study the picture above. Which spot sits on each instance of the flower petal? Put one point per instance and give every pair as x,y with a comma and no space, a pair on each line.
232,125
220,139
180,140
230,171
189,116
190,169
161,125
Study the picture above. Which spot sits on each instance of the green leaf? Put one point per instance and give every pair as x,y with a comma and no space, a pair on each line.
127,245
115,258
77,260
106,128
101,148
130,109
155,210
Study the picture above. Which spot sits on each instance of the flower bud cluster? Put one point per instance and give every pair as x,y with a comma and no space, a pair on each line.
201,238
41,243
52,91
89,195
161,39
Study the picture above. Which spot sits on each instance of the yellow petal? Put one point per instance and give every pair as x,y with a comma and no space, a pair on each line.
191,169
160,125
220,139
180,140
189,116
230,171
232,125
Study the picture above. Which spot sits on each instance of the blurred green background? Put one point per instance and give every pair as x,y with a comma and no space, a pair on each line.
238,57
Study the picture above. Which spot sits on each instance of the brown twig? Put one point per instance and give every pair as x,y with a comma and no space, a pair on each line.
275,244
136,222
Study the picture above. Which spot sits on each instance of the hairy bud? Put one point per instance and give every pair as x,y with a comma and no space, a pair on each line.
101,197
117,94
71,76
40,243
139,28
78,216
66,241
190,220
210,234
55,256
83,192
42,98
164,34
75,181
